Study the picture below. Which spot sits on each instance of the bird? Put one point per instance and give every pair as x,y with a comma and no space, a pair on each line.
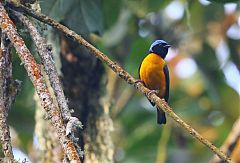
153,73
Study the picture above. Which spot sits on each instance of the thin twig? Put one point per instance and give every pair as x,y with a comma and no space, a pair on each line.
45,54
230,143
5,103
34,71
124,75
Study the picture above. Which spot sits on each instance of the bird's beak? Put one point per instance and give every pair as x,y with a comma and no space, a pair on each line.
167,46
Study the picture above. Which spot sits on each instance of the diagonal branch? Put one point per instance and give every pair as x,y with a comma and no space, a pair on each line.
34,71
45,54
124,75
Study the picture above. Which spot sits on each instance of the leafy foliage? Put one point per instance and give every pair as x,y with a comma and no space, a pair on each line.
82,16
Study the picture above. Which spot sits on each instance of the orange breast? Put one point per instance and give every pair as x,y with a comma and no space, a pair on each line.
152,74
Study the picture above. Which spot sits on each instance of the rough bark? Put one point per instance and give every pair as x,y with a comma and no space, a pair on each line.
48,149
5,96
84,88
34,72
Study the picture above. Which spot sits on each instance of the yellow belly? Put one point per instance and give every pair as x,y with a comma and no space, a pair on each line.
152,74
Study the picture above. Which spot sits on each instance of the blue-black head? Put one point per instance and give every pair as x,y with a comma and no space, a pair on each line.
159,47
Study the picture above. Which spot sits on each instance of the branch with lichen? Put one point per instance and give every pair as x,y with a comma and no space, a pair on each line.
45,54
34,72
124,75
5,100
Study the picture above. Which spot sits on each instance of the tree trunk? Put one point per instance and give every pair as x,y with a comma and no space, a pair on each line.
84,87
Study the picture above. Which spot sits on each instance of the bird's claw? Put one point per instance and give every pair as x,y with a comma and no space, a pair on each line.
138,81
152,92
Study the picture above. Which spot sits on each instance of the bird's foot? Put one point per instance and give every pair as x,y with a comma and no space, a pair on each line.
138,81
152,92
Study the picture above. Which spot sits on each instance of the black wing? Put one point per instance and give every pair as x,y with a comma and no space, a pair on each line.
139,71
166,72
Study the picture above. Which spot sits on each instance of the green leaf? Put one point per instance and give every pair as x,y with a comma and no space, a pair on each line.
75,21
92,15
80,15
57,9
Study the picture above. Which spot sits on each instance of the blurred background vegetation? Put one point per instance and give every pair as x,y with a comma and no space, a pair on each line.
204,64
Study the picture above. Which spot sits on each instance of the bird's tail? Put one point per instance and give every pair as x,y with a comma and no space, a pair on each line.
161,118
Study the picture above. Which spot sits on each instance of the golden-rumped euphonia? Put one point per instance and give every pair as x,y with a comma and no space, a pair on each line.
153,72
